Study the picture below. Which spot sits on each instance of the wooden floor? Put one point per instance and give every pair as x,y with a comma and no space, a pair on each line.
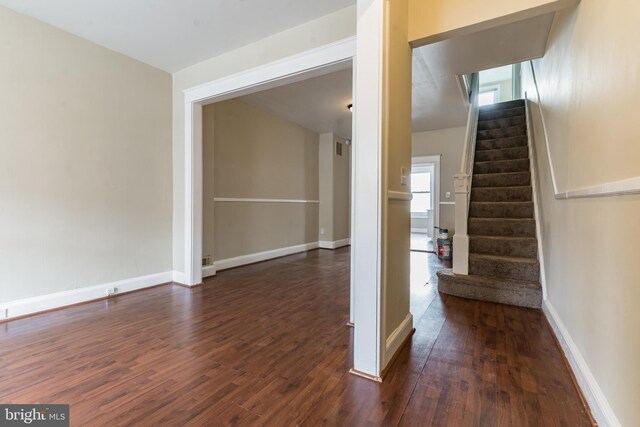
267,345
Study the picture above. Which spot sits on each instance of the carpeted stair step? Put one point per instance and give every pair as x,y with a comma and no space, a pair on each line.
509,179
502,154
501,209
514,268
501,166
525,247
507,105
509,132
496,144
511,227
502,123
501,114
501,194
495,289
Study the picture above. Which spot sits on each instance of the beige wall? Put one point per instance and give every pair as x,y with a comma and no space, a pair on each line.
396,155
342,191
589,93
449,144
335,189
290,42
435,20
249,153
85,170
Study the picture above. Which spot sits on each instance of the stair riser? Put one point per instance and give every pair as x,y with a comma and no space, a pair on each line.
501,227
502,133
504,166
505,268
502,154
519,297
518,247
507,105
502,123
517,179
501,114
498,144
501,210
501,194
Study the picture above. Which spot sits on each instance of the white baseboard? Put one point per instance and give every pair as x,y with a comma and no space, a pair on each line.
325,244
223,264
396,339
178,277
208,271
600,408
47,302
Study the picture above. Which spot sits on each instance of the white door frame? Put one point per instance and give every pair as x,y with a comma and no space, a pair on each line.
316,62
435,160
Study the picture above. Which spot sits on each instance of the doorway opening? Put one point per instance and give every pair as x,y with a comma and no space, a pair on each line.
499,84
425,204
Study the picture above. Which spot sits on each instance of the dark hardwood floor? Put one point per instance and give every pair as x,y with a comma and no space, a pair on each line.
267,344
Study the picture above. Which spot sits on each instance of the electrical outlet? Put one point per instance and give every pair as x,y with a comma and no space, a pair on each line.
448,194
403,176
111,291
4,313
322,231
206,260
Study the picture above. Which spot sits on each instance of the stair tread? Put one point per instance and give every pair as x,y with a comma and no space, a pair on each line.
501,118
491,281
505,187
521,260
520,139
505,128
504,105
503,203
502,149
501,161
521,238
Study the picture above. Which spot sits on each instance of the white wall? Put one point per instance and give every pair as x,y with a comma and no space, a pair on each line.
448,143
85,170
589,91
330,28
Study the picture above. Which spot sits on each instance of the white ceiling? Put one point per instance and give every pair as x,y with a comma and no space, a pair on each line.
319,104
174,34
437,99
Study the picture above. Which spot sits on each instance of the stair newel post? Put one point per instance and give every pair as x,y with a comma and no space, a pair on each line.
462,187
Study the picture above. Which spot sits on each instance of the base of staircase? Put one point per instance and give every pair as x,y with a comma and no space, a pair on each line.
493,289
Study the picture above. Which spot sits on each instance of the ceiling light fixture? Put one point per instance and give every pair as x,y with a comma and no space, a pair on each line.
350,107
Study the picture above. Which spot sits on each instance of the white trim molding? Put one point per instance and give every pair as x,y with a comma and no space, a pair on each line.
208,271
398,337
247,200
399,195
34,305
533,169
319,61
325,244
622,187
312,63
238,261
178,277
600,407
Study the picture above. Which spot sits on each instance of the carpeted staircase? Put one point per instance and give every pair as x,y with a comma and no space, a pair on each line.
503,249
